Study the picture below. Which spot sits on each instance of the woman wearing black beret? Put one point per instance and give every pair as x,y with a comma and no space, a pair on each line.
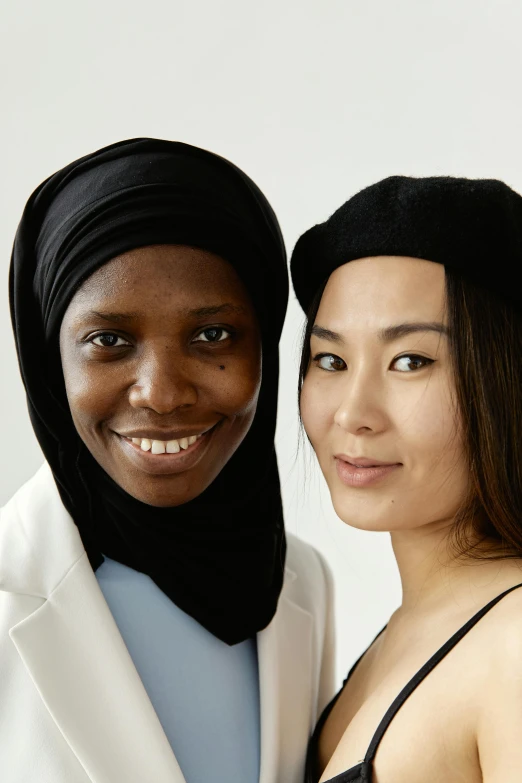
156,623
411,396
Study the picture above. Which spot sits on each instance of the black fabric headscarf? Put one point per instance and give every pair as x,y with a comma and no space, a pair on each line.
221,556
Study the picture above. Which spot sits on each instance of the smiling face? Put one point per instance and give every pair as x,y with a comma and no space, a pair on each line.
161,355
378,400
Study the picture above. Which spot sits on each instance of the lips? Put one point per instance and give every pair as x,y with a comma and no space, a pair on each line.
167,455
165,435
363,471
364,462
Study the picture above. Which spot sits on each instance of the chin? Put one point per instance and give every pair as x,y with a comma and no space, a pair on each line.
160,494
370,525
368,516
162,500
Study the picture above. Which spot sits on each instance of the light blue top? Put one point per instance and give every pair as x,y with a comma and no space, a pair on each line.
205,693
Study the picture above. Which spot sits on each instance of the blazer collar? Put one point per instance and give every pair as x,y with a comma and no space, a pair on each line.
42,540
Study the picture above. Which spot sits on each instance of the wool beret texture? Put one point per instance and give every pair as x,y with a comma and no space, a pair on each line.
473,226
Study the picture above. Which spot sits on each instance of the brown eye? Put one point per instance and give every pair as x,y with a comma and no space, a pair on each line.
216,334
108,340
329,362
410,363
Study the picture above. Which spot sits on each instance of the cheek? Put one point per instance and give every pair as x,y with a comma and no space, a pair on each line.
429,428
316,411
90,394
236,387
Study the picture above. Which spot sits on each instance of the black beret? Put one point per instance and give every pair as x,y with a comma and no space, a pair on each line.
473,226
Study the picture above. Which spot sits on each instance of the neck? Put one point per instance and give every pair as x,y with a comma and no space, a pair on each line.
433,574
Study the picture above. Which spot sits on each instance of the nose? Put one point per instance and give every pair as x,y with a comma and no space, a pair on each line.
361,407
163,382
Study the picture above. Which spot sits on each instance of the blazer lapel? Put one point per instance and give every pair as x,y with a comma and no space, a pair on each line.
285,676
82,670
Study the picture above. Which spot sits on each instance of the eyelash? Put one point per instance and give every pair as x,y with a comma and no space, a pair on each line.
229,333
107,334
412,356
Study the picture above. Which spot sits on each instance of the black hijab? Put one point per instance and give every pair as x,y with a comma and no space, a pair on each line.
221,556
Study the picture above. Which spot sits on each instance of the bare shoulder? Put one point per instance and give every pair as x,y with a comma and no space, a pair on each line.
504,638
499,716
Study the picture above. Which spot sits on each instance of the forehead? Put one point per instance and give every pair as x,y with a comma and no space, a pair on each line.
162,273
372,293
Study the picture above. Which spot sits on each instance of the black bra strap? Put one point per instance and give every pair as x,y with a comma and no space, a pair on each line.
425,670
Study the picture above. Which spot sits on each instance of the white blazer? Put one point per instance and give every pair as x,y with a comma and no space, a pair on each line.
72,706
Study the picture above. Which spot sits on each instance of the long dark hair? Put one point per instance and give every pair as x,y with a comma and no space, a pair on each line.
485,334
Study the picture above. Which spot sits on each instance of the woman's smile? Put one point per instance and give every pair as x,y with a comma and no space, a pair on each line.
161,354
167,455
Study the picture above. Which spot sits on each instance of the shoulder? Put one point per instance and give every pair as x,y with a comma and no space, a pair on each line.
499,713
496,646
305,560
309,590
503,629
38,539
308,577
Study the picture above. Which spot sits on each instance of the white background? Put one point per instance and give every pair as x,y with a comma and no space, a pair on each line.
314,100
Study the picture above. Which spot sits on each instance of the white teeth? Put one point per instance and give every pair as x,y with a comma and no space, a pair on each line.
158,447
163,446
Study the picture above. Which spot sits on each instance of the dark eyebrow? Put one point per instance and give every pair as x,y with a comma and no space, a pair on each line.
326,334
199,312
115,317
391,333
388,334
203,312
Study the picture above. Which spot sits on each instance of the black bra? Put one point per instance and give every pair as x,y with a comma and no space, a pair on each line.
362,773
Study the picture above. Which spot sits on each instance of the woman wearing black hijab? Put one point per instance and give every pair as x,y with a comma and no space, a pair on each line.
156,623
